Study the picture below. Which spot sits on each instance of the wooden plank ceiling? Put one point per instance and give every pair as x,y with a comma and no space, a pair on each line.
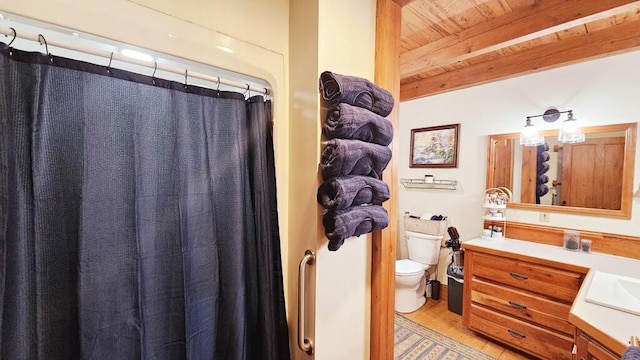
453,44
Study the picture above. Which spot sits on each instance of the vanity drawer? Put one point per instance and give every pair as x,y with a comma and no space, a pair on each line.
555,283
522,304
532,339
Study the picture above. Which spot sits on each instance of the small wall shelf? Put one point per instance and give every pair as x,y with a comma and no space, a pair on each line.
436,184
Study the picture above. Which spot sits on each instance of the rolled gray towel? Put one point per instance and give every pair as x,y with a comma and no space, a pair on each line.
542,190
356,91
346,121
352,190
543,156
353,157
542,168
542,148
542,179
353,221
632,353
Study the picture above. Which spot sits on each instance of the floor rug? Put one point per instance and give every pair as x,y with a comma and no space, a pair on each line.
413,341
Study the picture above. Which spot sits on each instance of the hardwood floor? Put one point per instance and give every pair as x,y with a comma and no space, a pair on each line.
436,316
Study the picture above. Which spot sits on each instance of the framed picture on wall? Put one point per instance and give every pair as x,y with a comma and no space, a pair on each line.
434,147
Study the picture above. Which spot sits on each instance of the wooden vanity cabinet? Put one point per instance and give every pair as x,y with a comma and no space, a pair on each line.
589,349
522,303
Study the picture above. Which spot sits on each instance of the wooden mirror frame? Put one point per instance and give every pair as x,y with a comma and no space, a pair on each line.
501,153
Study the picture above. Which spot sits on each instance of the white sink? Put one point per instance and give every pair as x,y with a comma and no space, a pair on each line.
615,291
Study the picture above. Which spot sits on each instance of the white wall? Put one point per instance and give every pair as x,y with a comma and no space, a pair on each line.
337,36
602,91
346,46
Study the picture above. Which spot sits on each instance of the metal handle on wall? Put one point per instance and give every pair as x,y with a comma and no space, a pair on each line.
304,344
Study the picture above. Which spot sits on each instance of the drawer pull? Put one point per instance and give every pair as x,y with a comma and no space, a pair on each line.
517,334
518,276
517,306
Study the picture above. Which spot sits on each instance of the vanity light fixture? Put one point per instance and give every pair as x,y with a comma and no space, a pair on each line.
569,132
530,136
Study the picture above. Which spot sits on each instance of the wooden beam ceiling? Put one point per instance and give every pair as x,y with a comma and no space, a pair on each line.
538,36
403,2
586,45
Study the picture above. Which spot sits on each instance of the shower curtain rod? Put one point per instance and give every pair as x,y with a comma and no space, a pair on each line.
116,56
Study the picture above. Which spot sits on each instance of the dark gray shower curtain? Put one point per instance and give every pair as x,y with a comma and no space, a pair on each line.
137,221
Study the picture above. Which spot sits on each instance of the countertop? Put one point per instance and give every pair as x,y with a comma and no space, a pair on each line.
615,324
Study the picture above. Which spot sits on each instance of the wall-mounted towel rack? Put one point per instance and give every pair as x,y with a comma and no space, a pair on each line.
435,184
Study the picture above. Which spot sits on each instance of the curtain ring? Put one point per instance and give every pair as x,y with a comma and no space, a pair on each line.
247,92
43,42
186,73
218,86
15,34
153,76
110,60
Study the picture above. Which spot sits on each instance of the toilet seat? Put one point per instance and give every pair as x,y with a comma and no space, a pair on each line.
408,267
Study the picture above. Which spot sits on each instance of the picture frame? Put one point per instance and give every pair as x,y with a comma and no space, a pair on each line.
434,147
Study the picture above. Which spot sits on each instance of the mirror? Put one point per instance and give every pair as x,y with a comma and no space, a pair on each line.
591,178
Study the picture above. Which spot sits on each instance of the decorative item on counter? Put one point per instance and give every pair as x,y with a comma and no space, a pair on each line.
428,179
497,196
497,232
493,231
494,209
585,245
571,240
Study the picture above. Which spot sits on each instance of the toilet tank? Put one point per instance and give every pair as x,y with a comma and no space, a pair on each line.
423,248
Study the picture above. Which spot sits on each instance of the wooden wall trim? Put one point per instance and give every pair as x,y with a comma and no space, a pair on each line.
607,243
383,252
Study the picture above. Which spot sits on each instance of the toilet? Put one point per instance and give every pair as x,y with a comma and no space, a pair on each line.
424,251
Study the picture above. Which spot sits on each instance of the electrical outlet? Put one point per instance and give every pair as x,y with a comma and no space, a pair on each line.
544,217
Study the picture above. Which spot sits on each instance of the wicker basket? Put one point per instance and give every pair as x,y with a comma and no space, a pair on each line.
498,196
425,226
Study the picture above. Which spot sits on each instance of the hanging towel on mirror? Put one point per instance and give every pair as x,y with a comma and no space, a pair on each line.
345,121
353,157
352,190
360,92
353,221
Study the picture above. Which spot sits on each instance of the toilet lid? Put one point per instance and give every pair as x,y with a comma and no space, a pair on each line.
408,267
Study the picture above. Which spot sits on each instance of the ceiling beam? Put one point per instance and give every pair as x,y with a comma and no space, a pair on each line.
611,40
542,18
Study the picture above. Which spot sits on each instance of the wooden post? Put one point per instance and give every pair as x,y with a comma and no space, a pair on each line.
387,75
